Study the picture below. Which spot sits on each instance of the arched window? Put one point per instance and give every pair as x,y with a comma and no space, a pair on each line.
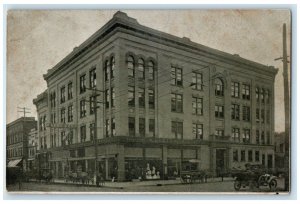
106,71
112,67
219,87
130,66
141,68
151,70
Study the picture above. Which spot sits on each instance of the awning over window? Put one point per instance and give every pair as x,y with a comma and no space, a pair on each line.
14,163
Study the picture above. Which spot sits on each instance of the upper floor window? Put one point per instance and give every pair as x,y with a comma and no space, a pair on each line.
82,133
197,81
219,111
257,115
243,155
141,69
177,130
197,104
246,113
151,98
63,115
268,116
70,113
93,80
151,127
235,111
246,92
176,75
235,89
130,66
92,131
92,102
235,156
53,100
262,94
151,70
131,126
197,131
257,137
262,137
107,98
246,136
131,96
257,156
112,67
176,103
142,127
82,83
106,70
219,132
70,91
62,94
82,108
235,134
113,127
112,97
262,115
141,92
257,94
267,96
107,129
219,87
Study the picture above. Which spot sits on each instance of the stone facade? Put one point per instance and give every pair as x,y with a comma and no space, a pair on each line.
163,100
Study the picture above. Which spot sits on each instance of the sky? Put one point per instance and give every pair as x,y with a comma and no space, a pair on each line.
38,39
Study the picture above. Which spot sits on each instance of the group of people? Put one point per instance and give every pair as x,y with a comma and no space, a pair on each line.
152,174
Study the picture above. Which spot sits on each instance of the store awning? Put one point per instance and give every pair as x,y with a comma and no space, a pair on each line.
14,163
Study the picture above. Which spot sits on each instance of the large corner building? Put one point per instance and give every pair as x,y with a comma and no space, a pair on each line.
161,100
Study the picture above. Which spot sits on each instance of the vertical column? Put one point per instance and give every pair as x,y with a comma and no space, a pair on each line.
165,161
121,163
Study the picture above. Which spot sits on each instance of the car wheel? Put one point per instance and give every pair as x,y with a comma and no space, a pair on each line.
273,184
237,185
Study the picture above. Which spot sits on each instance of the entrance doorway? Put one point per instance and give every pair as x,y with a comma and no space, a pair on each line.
270,161
220,161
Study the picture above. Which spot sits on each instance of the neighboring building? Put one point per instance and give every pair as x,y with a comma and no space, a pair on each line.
32,148
165,100
280,151
17,133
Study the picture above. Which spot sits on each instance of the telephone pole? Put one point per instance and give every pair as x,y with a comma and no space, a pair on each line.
23,110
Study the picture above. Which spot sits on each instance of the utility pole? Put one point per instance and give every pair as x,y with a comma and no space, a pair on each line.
23,110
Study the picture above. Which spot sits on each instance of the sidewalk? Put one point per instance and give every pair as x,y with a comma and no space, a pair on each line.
121,185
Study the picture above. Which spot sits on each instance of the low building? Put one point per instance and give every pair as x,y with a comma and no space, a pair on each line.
32,149
17,133
162,101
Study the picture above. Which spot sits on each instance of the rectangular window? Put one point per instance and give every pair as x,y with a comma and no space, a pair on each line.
219,133
70,91
176,103
112,67
257,94
250,156
176,75
235,134
197,131
106,70
142,127
63,138
82,108
263,159
246,92
62,95
257,137
112,97
197,81
113,127
246,136
131,96
107,98
262,115
151,71
92,131
63,115
82,84
235,155
246,113
82,133
107,125
262,94
268,138
235,111
197,104
93,80
70,113
131,126
257,156
92,102
267,96
268,117
219,111
151,127
151,98
243,155
53,100
70,137
141,92
177,130
235,89
257,115
263,137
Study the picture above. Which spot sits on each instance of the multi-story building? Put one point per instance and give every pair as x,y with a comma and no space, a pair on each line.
163,100
17,133
32,148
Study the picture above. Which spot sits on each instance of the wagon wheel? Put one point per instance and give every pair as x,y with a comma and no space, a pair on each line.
273,184
237,185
